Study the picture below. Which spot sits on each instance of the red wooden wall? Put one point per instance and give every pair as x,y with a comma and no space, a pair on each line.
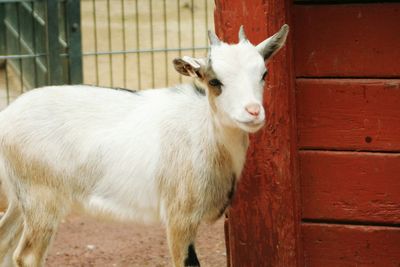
333,99
263,228
348,116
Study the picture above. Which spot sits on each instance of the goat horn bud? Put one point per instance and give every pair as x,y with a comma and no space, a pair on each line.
242,35
214,40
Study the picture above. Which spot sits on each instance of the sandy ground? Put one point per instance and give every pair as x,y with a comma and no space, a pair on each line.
83,241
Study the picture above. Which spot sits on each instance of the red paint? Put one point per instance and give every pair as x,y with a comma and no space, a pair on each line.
348,186
346,40
348,114
350,246
264,220
352,40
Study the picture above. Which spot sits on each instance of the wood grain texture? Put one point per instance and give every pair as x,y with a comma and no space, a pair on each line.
348,114
353,40
348,186
264,220
350,246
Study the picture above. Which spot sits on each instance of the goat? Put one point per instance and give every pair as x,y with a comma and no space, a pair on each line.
171,155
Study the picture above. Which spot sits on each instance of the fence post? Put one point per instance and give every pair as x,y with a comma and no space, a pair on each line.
264,222
54,67
2,32
73,16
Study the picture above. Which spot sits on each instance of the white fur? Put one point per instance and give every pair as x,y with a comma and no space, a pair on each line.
67,125
243,86
105,150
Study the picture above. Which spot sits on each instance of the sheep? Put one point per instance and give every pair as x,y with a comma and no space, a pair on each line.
171,155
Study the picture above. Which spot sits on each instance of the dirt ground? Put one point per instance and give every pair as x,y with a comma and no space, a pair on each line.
84,241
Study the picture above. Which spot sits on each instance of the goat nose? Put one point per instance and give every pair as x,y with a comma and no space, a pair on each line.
253,109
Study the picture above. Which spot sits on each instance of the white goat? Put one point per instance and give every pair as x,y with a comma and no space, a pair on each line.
172,155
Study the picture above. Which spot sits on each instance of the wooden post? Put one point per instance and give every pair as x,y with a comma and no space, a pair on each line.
264,222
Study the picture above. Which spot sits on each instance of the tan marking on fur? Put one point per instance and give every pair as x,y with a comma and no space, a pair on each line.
43,209
222,163
33,246
187,192
34,171
10,230
204,76
45,196
180,236
30,170
191,193
3,198
178,191
208,76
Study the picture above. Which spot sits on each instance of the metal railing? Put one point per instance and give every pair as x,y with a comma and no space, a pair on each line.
133,42
125,43
34,36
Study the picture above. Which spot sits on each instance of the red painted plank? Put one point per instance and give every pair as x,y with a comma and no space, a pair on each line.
350,186
350,246
264,220
354,40
348,114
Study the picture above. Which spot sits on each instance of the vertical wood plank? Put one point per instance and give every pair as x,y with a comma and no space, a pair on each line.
2,34
264,220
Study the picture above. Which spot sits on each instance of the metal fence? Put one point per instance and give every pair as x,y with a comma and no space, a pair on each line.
38,45
117,43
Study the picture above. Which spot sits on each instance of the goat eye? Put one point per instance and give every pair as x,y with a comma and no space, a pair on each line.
215,82
265,74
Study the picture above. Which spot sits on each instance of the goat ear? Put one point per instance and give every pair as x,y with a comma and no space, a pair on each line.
189,66
270,46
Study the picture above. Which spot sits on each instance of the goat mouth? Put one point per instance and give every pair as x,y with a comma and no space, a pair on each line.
251,124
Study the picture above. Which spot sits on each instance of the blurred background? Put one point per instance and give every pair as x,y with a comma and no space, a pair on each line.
116,43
